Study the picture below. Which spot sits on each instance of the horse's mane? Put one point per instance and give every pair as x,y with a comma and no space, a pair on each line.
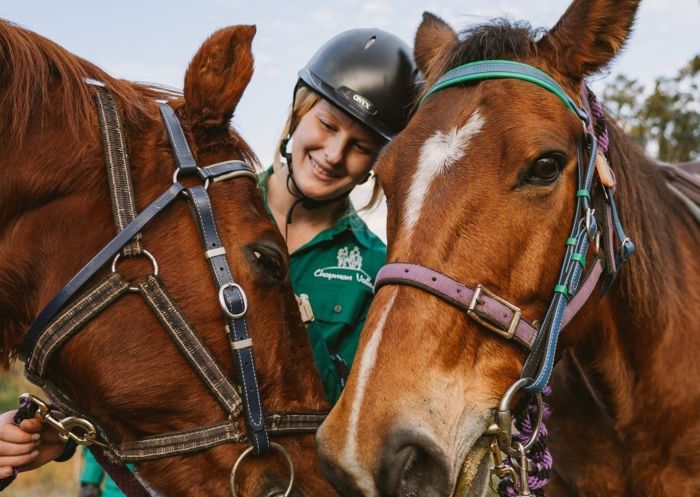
645,203
651,215
37,75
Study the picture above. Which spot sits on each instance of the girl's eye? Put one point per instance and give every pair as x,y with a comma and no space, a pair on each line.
326,125
363,149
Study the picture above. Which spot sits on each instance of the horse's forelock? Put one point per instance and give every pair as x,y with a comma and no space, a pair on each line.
500,39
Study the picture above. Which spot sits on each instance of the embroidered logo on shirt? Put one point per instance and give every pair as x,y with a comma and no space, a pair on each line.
349,268
351,260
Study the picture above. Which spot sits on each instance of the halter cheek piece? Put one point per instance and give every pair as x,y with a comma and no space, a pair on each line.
65,316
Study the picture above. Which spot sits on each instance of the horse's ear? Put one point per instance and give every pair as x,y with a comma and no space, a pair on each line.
589,35
218,74
434,36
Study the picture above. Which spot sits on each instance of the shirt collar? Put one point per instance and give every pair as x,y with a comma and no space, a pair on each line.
350,221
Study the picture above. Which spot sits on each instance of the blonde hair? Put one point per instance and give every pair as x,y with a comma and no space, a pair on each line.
304,100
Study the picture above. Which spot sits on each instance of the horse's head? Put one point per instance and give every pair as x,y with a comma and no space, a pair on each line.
481,187
121,368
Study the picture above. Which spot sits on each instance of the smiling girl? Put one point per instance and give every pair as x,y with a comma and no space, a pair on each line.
352,97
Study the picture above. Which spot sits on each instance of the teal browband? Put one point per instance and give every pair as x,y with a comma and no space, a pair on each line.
497,69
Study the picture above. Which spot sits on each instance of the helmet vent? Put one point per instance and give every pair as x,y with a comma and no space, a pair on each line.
370,42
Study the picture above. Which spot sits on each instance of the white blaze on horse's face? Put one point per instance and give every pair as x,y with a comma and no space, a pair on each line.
438,154
366,365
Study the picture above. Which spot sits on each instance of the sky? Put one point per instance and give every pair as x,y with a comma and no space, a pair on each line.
154,40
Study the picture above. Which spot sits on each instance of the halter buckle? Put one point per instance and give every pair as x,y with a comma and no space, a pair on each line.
474,314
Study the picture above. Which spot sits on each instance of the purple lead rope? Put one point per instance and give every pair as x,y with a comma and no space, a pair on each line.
539,453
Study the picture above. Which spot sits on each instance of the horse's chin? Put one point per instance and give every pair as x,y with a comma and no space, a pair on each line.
474,476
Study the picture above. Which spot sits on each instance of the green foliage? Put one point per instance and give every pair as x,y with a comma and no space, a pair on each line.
664,120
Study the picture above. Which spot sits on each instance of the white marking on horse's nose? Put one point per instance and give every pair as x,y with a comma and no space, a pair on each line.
438,154
349,458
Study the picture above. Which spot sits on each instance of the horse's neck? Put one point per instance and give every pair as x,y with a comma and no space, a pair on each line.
53,215
623,401
615,391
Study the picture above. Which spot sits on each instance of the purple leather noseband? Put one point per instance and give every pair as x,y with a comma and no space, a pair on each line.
489,310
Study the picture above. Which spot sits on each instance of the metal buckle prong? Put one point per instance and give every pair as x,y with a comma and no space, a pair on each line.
473,313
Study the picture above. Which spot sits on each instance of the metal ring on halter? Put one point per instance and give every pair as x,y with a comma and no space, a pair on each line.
200,173
42,407
222,301
274,445
145,252
504,418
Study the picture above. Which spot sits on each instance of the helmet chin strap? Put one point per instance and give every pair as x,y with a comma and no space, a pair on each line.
293,188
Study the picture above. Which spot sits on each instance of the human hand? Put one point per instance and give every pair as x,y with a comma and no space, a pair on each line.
27,446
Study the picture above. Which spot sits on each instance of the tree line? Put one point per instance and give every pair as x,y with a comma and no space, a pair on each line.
665,118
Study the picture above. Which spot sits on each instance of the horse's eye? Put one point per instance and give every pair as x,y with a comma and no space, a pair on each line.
270,261
545,170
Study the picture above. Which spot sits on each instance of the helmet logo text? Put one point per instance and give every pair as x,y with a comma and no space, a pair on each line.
362,101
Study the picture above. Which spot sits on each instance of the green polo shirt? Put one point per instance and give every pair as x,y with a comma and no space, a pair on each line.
336,269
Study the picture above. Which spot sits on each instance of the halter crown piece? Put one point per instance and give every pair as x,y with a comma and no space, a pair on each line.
590,226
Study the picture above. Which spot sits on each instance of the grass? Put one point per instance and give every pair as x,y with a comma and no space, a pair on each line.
51,480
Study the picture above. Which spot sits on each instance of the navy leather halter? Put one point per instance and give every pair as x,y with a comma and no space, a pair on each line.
570,294
231,296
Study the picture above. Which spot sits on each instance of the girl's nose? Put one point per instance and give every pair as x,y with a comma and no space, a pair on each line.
334,150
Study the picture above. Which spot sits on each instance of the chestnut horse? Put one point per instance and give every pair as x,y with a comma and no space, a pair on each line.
482,189
122,368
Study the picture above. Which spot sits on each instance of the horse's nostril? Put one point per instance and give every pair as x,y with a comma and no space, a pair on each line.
417,466
394,469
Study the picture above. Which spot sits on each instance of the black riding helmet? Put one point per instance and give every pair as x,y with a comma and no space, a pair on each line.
369,74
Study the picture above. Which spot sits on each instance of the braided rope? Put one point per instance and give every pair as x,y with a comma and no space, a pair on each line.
539,453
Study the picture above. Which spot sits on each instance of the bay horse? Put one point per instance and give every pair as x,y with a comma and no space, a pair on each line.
121,369
482,187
